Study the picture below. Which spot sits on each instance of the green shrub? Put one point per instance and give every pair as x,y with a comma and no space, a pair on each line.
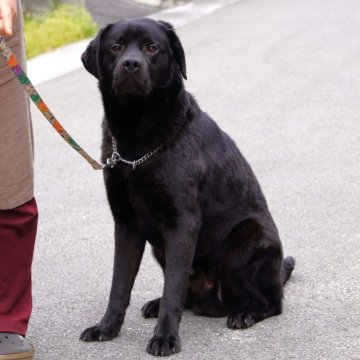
63,25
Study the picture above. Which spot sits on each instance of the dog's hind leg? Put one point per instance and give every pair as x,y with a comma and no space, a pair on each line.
210,306
256,294
151,308
253,273
204,296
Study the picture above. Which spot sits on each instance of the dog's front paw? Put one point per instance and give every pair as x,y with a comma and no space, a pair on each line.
151,309
99,332
164,345
240,320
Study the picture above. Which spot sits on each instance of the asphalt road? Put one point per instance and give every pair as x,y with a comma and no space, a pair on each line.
283,78
109,11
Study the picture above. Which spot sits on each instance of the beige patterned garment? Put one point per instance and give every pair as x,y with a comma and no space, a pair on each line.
16,140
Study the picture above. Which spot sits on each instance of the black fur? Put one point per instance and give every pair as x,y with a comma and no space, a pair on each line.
196,201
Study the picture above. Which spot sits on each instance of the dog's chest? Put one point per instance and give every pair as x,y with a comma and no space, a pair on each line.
153,207
146,221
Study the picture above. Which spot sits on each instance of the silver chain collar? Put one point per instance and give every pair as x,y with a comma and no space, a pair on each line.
116,157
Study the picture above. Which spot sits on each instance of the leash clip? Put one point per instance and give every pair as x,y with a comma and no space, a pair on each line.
111,161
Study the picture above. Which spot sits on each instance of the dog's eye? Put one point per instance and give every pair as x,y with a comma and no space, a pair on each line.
117,47
151,49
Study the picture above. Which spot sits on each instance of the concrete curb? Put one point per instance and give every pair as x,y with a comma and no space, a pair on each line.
66,59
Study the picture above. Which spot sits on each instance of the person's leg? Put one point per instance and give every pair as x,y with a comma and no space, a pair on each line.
16,141
18,211
17,236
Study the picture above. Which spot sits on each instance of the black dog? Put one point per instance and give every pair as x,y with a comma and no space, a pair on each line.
192,195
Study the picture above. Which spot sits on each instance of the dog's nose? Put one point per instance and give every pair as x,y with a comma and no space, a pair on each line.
131,65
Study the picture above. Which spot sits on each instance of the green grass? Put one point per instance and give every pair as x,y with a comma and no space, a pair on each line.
63,25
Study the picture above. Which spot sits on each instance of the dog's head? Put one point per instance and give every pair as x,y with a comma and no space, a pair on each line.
135,56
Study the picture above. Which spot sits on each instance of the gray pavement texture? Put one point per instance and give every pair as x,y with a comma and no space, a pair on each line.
283,78
109,11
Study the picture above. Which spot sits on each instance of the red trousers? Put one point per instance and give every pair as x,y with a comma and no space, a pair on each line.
17,239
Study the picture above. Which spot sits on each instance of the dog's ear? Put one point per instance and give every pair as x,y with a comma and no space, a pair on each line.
90,57
176,46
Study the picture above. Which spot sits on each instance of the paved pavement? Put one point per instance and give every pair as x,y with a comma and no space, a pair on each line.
283,78
112,10
109,11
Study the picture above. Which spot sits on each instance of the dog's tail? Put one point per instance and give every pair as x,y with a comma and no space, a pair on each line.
288,266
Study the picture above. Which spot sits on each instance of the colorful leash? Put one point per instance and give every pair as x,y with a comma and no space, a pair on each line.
35,97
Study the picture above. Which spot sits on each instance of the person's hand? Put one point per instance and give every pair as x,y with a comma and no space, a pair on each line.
8,11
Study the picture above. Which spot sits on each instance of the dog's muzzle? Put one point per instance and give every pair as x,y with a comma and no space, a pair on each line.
131,77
